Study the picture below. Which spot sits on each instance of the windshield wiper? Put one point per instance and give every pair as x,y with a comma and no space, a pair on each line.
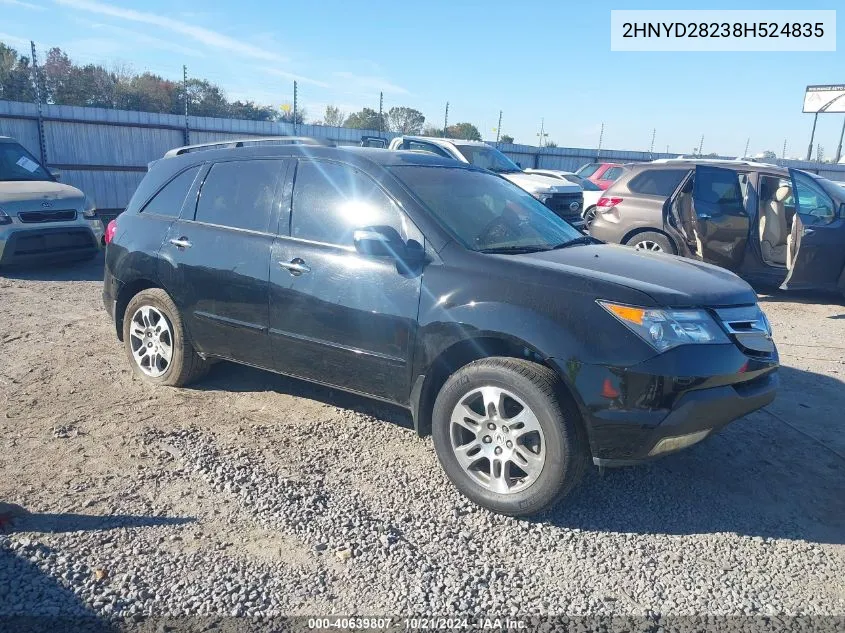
513,249
578,241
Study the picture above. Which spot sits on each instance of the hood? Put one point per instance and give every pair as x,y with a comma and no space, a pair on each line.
535,183
672,281
20,195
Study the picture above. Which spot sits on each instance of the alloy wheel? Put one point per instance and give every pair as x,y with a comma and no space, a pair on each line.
151,339
497,440
648,245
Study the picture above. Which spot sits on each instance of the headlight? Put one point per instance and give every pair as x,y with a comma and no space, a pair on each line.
89,209
665,329
4,219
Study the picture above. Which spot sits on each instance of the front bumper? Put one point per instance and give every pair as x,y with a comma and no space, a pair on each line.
682,393
21,246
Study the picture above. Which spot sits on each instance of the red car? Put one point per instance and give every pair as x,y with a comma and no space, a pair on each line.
602,174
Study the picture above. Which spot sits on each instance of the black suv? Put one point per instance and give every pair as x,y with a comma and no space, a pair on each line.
524,347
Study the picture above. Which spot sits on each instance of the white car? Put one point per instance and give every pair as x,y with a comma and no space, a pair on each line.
565,198
592,192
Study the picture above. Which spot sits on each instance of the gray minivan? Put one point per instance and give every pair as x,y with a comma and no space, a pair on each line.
771,225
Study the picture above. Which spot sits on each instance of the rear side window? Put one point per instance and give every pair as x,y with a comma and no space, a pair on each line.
330,201
611,174
588,170
657,182
240,194
426,147
168,201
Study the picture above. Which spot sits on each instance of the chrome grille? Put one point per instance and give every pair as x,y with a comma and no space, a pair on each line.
749,327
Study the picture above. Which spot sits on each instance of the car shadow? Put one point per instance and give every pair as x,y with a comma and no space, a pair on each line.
812,297
770,474
225,376
777,473
85,270
50,523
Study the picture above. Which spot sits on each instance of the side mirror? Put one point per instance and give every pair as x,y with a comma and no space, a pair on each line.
385,241
379,241
518,164
57,175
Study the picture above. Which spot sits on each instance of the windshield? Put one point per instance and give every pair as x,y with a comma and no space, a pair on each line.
18,164
484,212
488,157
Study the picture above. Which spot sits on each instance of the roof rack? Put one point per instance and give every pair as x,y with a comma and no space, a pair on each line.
715,161
267,140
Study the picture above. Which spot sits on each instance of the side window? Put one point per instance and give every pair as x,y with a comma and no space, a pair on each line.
427,147
611,174
657,182
330,201
240,194
717,191
168,201
812,202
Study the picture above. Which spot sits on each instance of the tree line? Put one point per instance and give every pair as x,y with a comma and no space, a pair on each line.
62,82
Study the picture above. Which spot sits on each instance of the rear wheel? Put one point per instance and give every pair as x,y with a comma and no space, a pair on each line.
589,217
505,436
155,342
653,242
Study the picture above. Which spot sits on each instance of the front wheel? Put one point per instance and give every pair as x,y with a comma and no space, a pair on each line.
589,216
505,436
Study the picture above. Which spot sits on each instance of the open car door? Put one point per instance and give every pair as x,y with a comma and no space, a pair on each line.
815,252
710,213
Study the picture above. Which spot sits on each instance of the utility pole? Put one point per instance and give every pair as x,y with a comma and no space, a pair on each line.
499,130
783,156
812,136
701,146
380,113
747,143
294,107
667,148
601,136
42,146
542,133
839,149
446,122
185,90
651,147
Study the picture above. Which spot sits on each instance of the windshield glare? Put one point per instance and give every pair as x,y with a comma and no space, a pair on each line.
487,158
18,164
485,212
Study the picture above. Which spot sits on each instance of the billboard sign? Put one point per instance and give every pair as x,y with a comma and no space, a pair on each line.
829,98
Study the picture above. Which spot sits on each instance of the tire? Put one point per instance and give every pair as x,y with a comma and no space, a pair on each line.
145,310
589,217
561,444
653,242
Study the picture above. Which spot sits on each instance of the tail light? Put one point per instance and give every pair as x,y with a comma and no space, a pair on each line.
110,230
608,202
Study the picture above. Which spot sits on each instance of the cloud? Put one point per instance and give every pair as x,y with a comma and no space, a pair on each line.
23,5
149,40
294,77
205,36
371,83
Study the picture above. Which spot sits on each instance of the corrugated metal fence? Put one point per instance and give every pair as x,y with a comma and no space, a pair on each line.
105,152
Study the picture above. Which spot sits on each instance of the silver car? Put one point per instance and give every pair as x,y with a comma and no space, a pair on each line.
42,220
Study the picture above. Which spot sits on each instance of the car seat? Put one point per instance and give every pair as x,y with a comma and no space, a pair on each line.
773,232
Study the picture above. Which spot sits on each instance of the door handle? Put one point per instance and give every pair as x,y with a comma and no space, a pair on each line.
182,242
807,232
704,216
296,266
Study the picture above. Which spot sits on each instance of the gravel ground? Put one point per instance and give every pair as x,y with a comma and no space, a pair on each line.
258,496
